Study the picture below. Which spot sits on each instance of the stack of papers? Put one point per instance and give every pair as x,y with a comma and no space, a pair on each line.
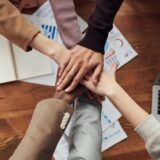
113,133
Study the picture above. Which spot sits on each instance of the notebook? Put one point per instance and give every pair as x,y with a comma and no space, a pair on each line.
16,64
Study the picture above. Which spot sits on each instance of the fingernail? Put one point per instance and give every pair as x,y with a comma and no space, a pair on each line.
58,83
95,81
67,90
59,88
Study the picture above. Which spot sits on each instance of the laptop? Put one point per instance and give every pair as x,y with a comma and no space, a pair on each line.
156,98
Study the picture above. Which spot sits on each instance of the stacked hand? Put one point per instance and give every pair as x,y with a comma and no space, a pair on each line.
82,61
73,64
106,85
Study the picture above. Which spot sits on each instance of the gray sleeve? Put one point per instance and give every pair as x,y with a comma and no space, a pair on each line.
149,130
86,133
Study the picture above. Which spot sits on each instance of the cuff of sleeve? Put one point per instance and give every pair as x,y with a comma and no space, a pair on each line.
28,38
94,40
148,127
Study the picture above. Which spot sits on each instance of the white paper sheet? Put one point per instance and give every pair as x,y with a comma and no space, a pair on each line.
61,151
31,64
7,71
34,63
48,80
123,52
113,135
109,114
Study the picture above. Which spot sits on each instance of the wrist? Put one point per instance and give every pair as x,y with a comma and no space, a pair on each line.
63,96
111,93
43,45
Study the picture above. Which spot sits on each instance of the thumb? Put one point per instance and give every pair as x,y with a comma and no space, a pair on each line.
114,67
86,83
97,74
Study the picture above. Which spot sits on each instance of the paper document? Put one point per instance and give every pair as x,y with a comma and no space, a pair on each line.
7,69
122,50
109,114
16,64
113,135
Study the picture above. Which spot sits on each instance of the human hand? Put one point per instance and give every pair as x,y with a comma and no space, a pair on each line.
93,96
52,49
69,97
106,84
82,61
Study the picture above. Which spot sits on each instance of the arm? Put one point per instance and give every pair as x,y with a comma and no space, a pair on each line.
47,125
14,26
67,25
24,34
107,86
44,131
127,106
145,125
85,137
100,23
87,56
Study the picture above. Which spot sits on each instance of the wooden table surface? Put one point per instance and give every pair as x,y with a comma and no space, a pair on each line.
139,21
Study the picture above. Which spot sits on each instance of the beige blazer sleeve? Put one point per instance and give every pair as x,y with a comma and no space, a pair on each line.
47,125
14,26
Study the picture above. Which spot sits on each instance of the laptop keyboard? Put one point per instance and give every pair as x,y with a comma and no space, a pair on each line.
156,101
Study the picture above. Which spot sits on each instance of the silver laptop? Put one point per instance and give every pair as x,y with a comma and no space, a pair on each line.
156,98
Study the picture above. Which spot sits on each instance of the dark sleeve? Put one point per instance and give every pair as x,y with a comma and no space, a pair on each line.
100,23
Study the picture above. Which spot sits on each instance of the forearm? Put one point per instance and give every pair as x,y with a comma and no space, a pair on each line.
47,47
100,23
85,136
14,26
67,25
127,106
47,125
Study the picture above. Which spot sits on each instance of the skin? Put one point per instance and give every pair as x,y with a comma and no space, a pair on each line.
73,64
108,86
52,49
62,57
69,97
82,61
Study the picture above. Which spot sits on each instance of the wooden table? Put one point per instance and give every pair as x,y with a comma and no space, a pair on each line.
139,21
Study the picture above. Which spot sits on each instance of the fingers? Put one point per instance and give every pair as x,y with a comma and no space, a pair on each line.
61,70
69,76
65,72
88,77
77,79
97,73
90,96
87,84
114,67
